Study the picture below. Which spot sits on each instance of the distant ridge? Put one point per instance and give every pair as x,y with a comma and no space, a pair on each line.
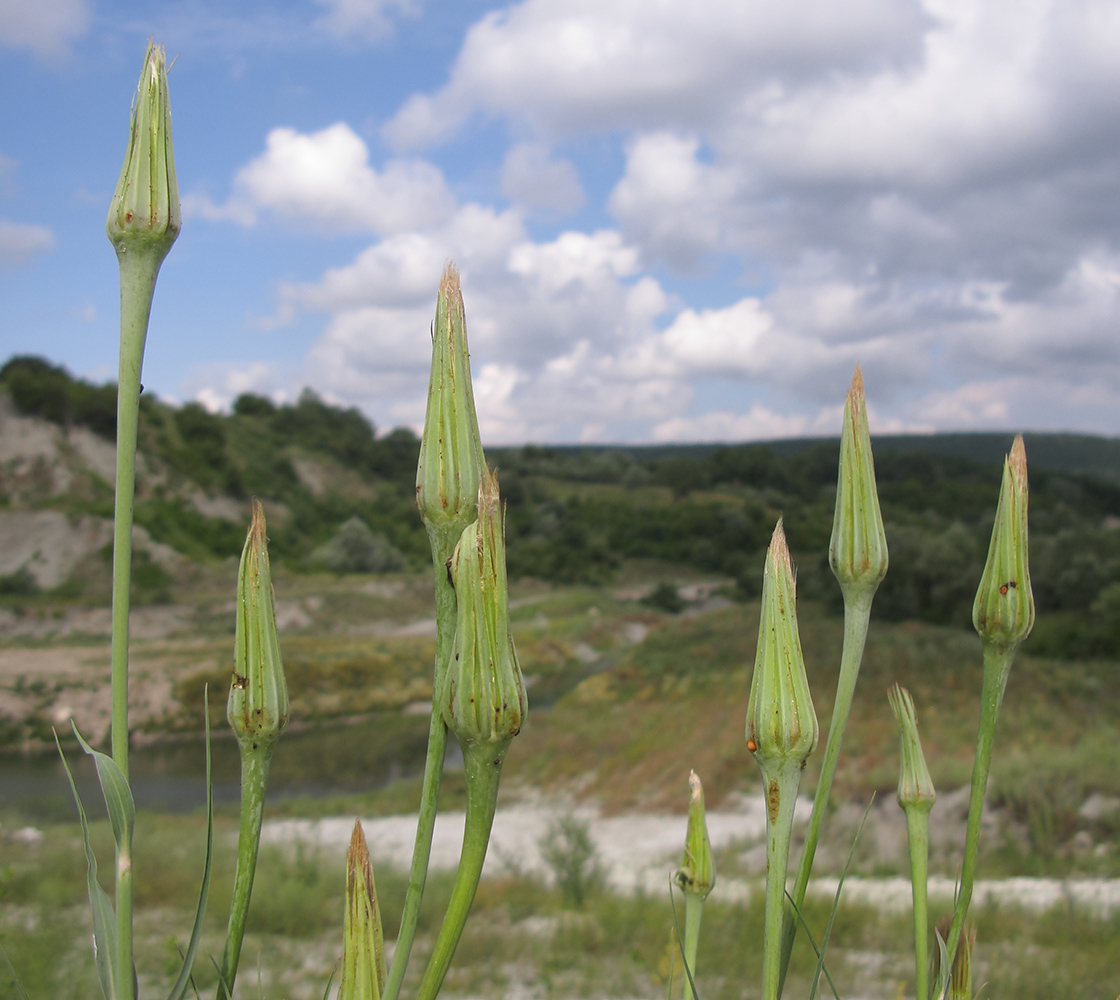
1077,454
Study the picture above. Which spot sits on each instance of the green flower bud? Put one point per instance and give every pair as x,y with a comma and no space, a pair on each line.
781,722
451,464
258,698
858,550
144,213
483,700
697,874
1004,610
363,955
915,787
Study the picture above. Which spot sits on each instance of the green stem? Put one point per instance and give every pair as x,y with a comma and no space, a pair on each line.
483,766
255,761
693,910
997,665
917,836
782,780
138,282
442,547
857,612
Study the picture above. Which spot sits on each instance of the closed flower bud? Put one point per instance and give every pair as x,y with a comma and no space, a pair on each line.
258,698
915,787
483,701
451,463
858,550
781,722
697,874
1004,610
363,955
144,213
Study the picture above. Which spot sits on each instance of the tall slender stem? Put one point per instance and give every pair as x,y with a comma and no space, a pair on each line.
138,282
917,837
483,765
693,911
254,780
781,797
857,612
433,771
997,665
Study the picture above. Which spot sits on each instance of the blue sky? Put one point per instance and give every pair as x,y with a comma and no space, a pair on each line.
676,220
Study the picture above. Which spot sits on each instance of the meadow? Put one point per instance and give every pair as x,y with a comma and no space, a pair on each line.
625,697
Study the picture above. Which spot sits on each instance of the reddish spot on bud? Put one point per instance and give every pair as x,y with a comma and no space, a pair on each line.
752,746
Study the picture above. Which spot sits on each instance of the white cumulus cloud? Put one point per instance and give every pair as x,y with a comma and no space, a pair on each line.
47,29
324,179
365,19
20,241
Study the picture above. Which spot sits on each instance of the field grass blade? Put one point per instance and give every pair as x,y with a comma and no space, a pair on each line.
836,904
680,941
184,980
813,944
15,979
330,981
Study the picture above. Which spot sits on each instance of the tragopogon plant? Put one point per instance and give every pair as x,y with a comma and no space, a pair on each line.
478,691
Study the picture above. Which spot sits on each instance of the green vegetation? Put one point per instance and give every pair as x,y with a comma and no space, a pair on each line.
576,515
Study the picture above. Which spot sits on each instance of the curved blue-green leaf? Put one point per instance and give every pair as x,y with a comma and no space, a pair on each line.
945,969
104,920
118,796
178,991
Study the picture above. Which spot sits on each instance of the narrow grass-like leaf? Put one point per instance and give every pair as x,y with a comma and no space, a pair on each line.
15,979
114,788
812,943
836,904
104,920
330,981
184,980
224,991
680,940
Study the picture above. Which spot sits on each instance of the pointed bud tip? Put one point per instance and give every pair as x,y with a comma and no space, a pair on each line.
257,525
779,547
1017,459
696,790
855,392
358,852
449,282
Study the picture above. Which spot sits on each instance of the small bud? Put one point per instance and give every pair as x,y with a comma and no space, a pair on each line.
858,550
258,698
451,460
781,723
363,955
915,787
484,698
144,212
1004,610
697,874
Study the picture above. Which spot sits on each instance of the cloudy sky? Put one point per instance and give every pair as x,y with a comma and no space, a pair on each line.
676,220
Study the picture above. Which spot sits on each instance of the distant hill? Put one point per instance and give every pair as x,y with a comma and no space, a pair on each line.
1080,454
340,497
